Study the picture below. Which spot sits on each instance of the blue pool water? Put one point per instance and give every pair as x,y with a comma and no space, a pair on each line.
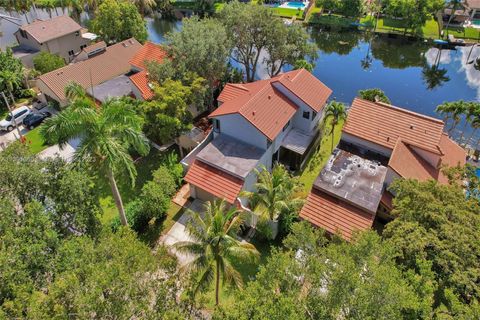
478,172
296,4
476,22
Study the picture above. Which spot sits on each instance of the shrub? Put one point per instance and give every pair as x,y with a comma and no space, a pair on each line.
45,62
164,178
175,168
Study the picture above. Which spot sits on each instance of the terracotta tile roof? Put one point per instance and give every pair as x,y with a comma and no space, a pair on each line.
140,80
265,107
383,124
334,215
214,181
408,164
94,47
98,69
45,30
149,52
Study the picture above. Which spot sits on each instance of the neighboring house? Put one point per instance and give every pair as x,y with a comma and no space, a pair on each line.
256,125
60,35
380,143
468,10
103,71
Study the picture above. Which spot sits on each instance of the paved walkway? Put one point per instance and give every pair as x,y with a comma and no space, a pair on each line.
66,153
178,233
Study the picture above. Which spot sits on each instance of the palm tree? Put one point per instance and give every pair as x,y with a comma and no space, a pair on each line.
335,112
215,247
106,132
11,80
471,109
454,5
144,6
475,124
454,111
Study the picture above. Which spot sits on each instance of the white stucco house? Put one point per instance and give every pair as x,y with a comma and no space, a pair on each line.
256,125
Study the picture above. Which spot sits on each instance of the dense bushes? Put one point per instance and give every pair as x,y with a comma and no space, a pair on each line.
153,202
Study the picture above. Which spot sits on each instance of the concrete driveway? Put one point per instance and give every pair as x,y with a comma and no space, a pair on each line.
179,233
66,153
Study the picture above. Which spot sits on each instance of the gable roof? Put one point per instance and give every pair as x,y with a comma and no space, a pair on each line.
149,52
265,106
335,215
384,124
214,181
113,62
408,164
46,30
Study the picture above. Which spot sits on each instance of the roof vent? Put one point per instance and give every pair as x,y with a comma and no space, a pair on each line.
388,138
253,112
269,97
411,126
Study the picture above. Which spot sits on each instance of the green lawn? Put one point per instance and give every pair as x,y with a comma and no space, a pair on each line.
287,12
318,160
34,141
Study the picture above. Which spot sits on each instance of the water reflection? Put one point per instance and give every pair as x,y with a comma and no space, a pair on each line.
158,28
341,43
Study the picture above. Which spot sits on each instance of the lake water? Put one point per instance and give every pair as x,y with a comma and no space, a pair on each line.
351,61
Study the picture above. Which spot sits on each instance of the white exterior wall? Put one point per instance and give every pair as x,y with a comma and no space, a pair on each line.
236,126
46,91
366,144
431,158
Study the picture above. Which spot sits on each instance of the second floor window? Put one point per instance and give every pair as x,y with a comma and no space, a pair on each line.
216,125
286,126
306,114
83,46
23,33
71,53
314,114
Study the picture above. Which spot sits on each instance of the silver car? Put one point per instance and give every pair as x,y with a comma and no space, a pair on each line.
19,114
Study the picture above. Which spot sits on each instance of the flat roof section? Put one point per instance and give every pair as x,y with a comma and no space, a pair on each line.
354,179
231,155
297,140
116,88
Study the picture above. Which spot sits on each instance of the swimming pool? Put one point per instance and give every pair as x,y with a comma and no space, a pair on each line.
293,5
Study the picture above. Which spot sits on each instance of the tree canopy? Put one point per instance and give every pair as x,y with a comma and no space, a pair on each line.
45,62
373,95
116,21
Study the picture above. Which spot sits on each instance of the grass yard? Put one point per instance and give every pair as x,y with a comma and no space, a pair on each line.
318,160
288,13
34,141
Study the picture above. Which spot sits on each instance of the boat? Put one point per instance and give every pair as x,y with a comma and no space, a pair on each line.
441,42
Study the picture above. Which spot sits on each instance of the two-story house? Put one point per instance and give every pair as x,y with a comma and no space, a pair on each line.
256,125
60,35
380,143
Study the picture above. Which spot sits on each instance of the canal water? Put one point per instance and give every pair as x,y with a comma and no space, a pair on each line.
414,74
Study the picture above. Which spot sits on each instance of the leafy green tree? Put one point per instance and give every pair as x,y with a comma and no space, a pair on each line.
352,8
328,5
335,113
357,280
202,47
216,248
452,111
303,64
373,95
288,46
45,62
437,226
11,75
276,197
250,29
116,21
106,132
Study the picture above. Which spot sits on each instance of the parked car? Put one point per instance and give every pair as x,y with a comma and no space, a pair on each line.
34,119
19,114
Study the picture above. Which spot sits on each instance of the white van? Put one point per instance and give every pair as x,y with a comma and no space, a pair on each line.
19,114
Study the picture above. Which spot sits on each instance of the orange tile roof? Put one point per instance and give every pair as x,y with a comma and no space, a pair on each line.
335,215
214,181
408,164
265,107
46,30
93,47
140,80
113,62
384,124
149,52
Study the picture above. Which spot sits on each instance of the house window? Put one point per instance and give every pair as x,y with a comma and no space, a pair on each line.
306,114
71,53
77,33
314,114
216,125
23,33
83,46
286,126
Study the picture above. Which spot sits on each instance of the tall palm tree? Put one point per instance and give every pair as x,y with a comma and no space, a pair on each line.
106,132
452,111
475,124
275,193
454,5
216,248
470,111
335,113
11,80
